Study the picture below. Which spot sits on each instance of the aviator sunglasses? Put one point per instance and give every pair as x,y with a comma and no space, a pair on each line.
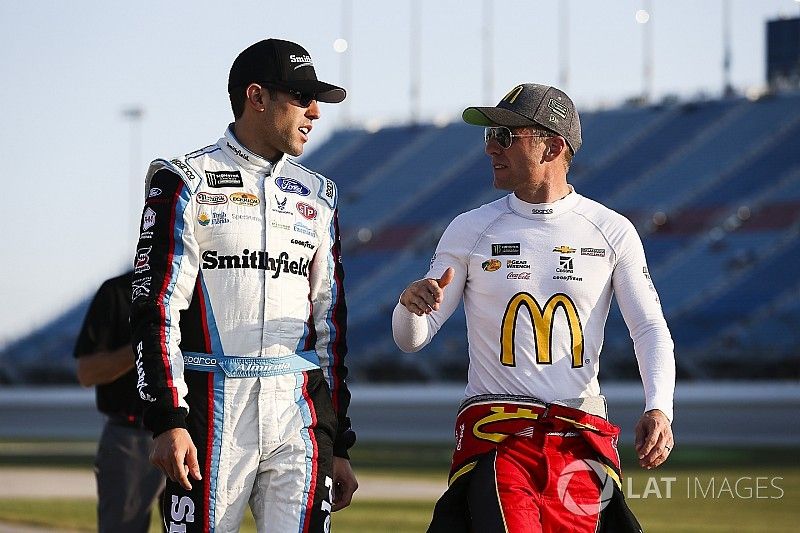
504,137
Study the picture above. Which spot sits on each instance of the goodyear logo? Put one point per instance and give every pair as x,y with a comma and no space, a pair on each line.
491,265
244,198
564,249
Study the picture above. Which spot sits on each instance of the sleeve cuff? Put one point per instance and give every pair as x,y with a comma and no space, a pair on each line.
159,422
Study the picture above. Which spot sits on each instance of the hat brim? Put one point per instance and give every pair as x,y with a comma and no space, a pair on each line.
325,92
495,116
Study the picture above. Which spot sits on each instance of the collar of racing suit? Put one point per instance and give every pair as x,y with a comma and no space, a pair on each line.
544,210
247,159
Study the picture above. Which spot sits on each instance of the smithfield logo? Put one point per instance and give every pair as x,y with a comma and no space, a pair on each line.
203,219
237,151
491,265
211,199
564,249
244,198
155,191
258,260
292,186
306,210
590,468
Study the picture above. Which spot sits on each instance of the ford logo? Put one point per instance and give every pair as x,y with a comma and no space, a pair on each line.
293,186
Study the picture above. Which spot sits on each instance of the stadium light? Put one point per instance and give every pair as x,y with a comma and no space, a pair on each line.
340,45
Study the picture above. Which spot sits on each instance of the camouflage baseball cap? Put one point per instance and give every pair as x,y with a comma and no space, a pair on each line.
530,104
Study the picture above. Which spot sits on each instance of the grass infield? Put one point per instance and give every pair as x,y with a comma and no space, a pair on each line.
701,489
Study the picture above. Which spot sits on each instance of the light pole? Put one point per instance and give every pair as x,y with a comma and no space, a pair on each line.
134,116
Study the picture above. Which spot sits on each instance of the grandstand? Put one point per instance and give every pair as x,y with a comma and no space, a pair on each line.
712,186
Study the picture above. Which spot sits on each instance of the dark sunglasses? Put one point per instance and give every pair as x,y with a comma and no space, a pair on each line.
300,98
504,137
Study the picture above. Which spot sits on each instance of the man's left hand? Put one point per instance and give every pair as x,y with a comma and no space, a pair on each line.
654,440
344,483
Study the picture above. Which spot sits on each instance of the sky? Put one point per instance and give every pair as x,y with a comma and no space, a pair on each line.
74,161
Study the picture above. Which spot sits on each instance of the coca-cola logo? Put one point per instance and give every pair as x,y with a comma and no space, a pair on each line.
306,210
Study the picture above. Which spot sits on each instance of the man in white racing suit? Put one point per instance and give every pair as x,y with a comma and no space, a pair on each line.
239,316
536,270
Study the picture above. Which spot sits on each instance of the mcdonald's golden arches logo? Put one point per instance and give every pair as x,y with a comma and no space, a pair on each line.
542,319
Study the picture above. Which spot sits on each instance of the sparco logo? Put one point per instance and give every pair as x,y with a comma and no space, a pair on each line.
184,167
181,511
140,382
238,152
256,260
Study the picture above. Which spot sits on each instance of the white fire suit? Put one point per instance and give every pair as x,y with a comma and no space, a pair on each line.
239,323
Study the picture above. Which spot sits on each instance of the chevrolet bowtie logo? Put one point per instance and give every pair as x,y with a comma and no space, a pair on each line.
564,250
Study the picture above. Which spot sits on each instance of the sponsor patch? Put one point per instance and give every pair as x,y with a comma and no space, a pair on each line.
211,199
249,218
215,219
278,225
148,219
145,235
292,186
304,244
141,287
299,227
154,191
516,263
244,198
224,178
596,252
142,260
306,210
184,167
563,249
646,272
237,151
259,260
141,384
548,211
433,259
491,265
518,275
281,205
508,248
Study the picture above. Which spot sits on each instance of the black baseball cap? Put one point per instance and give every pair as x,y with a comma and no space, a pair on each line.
283,64
530,104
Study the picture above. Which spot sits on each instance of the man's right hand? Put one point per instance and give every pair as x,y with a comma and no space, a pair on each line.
424,295
174,454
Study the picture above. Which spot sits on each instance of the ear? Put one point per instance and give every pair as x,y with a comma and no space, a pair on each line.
554,146
257,97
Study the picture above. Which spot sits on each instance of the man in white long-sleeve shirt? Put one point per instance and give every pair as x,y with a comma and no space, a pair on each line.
537,270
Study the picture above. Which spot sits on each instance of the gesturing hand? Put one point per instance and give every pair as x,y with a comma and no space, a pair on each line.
424,295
